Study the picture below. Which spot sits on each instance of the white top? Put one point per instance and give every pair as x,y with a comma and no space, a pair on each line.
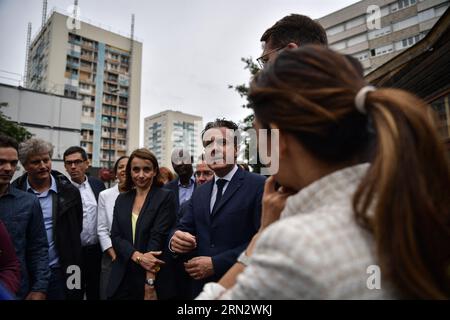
106,203
315,251
89,234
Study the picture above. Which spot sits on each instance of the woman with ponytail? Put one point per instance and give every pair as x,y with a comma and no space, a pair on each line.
363,211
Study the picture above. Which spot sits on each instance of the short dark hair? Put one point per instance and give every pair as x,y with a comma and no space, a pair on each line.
75,149
295,28
8,142
220,123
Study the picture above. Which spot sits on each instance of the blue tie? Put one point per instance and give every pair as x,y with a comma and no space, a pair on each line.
220,184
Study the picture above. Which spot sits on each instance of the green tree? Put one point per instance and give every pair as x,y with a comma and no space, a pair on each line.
12,129
247,122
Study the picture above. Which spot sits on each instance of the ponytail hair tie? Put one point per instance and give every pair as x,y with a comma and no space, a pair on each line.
360,98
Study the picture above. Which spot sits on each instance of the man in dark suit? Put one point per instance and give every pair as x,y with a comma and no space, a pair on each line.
182,188
76,164
184,185
62,212
223,214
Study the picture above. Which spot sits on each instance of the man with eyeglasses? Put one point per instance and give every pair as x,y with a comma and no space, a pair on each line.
290,32
76,163
202,172
63,216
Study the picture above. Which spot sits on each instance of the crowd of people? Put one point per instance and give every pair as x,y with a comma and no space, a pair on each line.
362,182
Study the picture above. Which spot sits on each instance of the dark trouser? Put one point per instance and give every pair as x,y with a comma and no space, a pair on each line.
56,285
92,259
132,285
105,274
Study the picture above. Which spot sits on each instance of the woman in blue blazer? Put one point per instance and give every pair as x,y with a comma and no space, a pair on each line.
142,219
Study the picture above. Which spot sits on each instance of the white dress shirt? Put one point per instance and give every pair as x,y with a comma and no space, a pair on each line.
315,251
106,203
89,234
228,178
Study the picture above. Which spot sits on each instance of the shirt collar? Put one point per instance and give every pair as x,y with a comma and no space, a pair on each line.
79,185
228,176
53,186
191,182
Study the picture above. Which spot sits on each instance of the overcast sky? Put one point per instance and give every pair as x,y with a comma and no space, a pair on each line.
192,49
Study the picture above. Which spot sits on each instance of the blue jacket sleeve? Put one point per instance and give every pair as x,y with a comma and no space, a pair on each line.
37,250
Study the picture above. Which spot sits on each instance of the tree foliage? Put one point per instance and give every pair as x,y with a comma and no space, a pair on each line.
12,129
242,90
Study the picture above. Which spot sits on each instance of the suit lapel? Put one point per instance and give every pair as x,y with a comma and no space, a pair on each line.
232,187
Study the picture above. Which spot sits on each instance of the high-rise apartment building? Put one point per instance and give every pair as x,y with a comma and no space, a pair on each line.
356,30
103,70
167,130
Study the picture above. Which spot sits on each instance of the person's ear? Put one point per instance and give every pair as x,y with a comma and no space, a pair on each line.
292,45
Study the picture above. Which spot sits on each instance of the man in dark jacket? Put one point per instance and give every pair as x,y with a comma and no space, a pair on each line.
76,163
22,216
63,217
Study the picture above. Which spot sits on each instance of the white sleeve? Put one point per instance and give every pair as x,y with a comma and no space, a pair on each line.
102,223
281,267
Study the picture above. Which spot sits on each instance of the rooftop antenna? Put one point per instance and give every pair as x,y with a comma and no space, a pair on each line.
44,12
27,56
75,8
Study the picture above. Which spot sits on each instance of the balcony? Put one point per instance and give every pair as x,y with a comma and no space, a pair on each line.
73,65
87,138
87,57
106,135
85,90
109,101
109,113
86,68
106,146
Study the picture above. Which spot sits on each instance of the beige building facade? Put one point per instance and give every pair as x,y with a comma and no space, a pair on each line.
103,70
374,31
168,130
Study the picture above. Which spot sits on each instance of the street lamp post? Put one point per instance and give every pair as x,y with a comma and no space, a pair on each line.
110,139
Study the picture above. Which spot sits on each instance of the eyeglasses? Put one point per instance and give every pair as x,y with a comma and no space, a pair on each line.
75,162
208,173
262,61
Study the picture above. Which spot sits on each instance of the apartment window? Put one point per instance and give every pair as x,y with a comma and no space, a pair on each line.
355,40
426,15
335,30
362,56
355,22
382,50
405,43
405,3
379,32
338,46
405,23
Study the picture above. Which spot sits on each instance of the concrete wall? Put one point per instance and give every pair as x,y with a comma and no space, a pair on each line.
55,119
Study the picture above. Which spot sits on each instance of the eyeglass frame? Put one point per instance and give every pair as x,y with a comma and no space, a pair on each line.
260,60
76,162
208,173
